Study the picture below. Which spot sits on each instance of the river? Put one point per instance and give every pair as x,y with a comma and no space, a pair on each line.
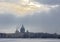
29,40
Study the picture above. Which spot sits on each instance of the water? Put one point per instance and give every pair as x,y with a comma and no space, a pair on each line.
29,40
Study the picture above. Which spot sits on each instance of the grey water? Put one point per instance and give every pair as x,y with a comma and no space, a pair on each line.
29,40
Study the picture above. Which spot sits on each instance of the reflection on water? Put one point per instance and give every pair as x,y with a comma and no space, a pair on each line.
29,40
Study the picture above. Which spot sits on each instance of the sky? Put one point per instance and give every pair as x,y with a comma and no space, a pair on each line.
35,15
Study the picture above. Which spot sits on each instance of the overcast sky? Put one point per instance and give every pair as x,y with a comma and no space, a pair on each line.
35,15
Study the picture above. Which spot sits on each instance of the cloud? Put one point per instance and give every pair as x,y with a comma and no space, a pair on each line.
21,9
39,22
45,18
49,2
12,1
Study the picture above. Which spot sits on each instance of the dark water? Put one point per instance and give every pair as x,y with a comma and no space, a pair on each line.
29,40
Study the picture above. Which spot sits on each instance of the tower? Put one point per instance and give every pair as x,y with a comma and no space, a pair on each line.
17,31
22,30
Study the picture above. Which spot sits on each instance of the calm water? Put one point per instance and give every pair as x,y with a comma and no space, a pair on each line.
29,40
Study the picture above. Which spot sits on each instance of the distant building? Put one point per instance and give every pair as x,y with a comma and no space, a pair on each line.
27,34
16,31
27,31
22,30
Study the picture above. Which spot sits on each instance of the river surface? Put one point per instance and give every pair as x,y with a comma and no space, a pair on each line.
29,40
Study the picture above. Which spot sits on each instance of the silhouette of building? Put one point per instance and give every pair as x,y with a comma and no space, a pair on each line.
22,30
16,31
27,34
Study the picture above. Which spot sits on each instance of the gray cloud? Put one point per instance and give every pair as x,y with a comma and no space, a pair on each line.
39,22
51,2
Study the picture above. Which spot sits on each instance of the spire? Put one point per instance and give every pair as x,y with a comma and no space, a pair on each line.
27,31
22,26
16,30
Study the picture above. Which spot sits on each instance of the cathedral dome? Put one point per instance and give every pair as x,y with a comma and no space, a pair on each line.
22,29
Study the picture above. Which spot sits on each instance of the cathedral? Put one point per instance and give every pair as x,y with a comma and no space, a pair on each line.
22,29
